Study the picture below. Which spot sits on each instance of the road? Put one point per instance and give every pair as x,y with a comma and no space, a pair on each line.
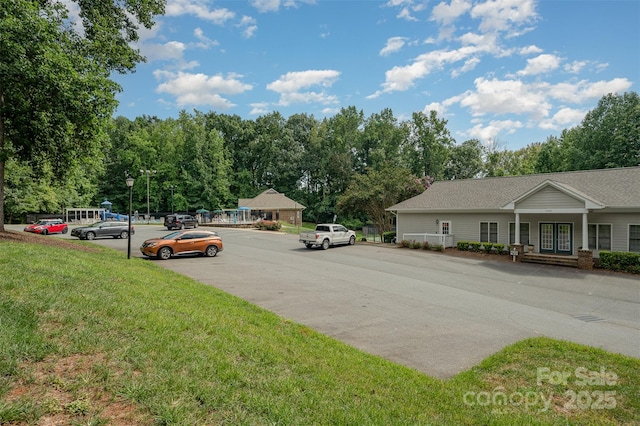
435,313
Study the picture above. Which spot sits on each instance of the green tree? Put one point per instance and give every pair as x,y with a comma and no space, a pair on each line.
380,141
426,149
56,96
465,160
609,135
372,192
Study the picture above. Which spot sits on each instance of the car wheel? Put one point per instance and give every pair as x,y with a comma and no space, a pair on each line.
211,251
352,240
45,232
309,246
164,253
91,236
325,244
181,226
65,230
124,234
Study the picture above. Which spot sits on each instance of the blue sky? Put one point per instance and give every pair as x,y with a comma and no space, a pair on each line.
511,72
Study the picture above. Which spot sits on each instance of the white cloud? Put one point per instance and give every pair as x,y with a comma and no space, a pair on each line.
294,81
198,8
540,64
249,26
259,108
265,6
394,44
506,97
170,50
205,42
491,131
445,14
529,50
291,87
564,118
504,15
200,89
575,67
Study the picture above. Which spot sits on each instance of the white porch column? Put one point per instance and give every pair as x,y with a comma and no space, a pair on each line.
517,231
585,231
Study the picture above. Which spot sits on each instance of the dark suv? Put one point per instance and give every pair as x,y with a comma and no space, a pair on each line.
180,221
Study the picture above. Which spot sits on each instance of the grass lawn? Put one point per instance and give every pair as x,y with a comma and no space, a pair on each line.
93,338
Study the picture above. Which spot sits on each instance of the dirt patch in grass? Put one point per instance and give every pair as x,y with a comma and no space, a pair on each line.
65,392
26,237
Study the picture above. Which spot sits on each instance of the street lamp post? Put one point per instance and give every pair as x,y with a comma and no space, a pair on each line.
130,185
148,172
172,187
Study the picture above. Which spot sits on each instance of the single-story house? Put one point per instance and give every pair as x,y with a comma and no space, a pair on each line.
558,213
272,205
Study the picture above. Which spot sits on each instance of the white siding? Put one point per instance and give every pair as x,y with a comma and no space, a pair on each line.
549,198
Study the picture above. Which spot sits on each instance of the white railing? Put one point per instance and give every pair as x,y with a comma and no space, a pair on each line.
444,240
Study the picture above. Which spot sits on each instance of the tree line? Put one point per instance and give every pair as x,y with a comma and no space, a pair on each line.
209,160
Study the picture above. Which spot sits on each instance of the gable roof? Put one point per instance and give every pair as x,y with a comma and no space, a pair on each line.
612,188
270,200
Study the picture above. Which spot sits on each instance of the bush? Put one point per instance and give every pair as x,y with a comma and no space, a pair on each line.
268,225
487,247
463,245
499,248
474,246
425,245
437,247
620,261
416,244
405,243
352,224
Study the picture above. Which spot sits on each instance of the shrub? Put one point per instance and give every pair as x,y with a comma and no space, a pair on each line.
405,243
352,223
499,248
425,245
437,247
268,225
416,244
487,247
620,261
463,245
474,246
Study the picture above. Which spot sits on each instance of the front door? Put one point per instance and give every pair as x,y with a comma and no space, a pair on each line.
556,238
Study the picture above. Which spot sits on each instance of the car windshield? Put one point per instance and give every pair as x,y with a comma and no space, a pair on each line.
94,225
43,222
172,235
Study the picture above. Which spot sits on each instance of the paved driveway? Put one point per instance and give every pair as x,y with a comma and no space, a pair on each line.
435,313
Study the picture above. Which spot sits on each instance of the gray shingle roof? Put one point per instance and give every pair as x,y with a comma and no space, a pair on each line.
270,200
615,188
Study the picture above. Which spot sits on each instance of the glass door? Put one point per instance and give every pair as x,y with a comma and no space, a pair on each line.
556,238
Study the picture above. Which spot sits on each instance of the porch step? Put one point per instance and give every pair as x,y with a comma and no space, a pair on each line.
551,259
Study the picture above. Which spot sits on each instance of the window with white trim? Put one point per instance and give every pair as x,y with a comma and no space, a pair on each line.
634,238
524,233
599,236
445,227
488,232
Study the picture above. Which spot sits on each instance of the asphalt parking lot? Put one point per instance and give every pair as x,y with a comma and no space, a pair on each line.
435,313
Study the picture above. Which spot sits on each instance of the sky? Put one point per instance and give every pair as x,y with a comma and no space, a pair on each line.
507,72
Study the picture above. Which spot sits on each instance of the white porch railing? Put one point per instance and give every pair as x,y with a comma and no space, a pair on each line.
444,240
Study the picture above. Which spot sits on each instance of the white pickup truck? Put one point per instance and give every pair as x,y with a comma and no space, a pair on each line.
326,235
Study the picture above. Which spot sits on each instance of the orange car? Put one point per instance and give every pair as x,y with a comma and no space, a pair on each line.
193,241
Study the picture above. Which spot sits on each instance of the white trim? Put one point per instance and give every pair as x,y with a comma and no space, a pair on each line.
517,234
488,222
566,189
629,225
552,211
597,224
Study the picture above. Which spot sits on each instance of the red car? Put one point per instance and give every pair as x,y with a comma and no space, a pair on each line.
48,226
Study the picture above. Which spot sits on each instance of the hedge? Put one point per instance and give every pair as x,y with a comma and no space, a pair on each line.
620,261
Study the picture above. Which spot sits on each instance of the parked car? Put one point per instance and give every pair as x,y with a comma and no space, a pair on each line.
326,235
180,221
186,242
48,226
102,229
